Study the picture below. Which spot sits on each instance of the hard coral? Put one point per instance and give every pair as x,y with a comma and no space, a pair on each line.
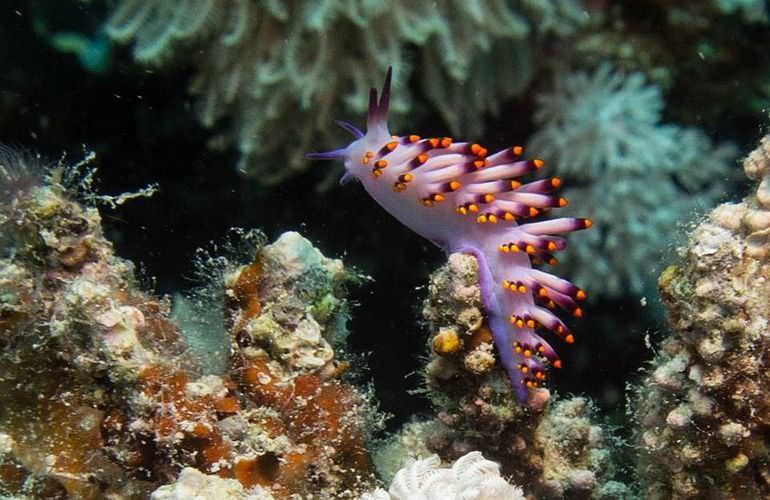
98,395
703,407
72,325
322,426
553,449
290,303
289,367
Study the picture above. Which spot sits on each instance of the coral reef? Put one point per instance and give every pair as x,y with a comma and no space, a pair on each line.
552,448
100,396
243,388
263,68
703,407
603,133
471,477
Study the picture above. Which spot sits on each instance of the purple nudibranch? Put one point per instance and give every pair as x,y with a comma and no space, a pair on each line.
465,200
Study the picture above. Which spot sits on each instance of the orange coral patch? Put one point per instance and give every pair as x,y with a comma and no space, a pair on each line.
245,295
227,405
212,451
316,413
262,470
481,335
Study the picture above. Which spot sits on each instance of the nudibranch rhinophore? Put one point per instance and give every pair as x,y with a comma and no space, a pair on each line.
463,199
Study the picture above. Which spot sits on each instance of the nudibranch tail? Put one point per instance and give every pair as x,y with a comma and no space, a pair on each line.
464,199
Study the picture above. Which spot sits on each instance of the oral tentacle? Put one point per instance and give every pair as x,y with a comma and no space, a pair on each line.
350,128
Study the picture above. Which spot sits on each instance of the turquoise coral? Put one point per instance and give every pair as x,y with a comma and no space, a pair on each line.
752,11
637,178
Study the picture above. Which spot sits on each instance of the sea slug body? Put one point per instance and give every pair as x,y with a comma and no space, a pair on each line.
465,200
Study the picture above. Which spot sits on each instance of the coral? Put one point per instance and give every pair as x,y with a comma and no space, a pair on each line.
100,395
604,135
284,313
301,314
703,406
454,300
194,485
471,476
553,448
72,323
263,68
695,51
752,11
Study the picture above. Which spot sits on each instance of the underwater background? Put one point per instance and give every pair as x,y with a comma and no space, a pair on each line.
148,348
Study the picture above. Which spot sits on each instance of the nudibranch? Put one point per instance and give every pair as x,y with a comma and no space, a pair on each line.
464,199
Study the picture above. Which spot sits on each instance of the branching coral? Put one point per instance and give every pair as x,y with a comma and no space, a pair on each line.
98,396
635,177
263,68
703,407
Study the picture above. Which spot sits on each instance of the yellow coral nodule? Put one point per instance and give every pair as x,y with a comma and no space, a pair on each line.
446,342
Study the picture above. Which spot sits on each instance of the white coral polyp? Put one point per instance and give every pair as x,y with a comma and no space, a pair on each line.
471,477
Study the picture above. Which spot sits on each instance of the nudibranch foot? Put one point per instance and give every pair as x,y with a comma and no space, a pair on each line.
464,199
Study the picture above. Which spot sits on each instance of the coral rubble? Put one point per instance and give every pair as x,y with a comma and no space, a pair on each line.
703,407
100,396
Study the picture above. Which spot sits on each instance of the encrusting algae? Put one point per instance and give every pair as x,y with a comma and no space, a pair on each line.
100,395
